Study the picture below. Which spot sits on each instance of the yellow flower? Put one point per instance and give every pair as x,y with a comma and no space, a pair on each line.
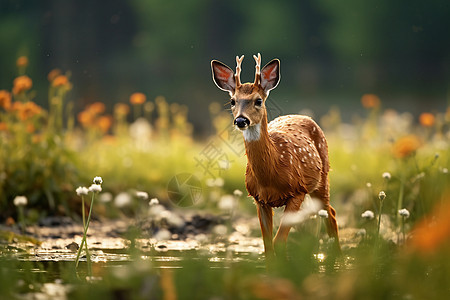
121,109
427,119
406,146
137,98
5,99
21,84
370,101
22,61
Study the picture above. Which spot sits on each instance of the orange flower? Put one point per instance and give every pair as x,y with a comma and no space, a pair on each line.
427,119
370,101
86,118
433,231
104,123
96,108
3,126
30,128
27,110
22,61
53,74
121,109
21,84
61,81
137,98
5,99
406,146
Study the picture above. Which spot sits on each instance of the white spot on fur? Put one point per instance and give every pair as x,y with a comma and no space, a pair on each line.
252,133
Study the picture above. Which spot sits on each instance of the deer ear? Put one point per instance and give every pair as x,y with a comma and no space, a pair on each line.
223,76
270,75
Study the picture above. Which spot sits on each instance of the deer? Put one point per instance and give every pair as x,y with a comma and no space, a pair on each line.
286,158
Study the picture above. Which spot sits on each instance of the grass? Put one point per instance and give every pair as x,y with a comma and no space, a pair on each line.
141,146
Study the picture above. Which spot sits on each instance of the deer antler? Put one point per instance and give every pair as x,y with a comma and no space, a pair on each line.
258,69
237,76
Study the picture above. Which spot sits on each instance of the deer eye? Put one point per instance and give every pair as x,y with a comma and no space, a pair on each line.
233,102
258,102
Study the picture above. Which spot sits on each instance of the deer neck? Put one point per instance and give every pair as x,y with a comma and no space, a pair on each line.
260,150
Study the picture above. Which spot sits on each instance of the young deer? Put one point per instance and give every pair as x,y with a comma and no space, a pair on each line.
287,158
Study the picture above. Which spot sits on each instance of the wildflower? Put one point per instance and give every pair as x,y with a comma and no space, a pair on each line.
96,108
226,202
237,193
368,214
406,146
381,195
20,201
3,126
5,99
444,170
98,180
370,101
404,213
142,195
53,74
61,81
368,185
21,84
82,191
22,61
105,197
122,199
26,110
104,123
427,119
86,118
323,213
121,109
137,98
95,188
433,232
387,176
153,201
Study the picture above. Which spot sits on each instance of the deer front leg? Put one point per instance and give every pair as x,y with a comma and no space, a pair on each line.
265,215
292,206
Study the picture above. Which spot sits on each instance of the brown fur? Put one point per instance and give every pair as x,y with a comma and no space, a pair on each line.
289,160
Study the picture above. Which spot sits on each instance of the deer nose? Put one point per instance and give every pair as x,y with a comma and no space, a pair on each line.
241,122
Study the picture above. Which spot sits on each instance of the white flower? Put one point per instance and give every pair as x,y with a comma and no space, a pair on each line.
368,214
105,197
81,190
95,188
98,180
122,199
237,193
382,195
20,201
142,195
445,170
404,213
226,202
153,201
323,213
387,175
368,185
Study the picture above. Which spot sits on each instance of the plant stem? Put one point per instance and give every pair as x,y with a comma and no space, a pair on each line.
83,241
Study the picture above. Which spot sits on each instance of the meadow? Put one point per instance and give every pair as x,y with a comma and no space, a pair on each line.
389,185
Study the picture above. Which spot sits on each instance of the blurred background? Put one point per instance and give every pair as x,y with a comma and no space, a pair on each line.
331,52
